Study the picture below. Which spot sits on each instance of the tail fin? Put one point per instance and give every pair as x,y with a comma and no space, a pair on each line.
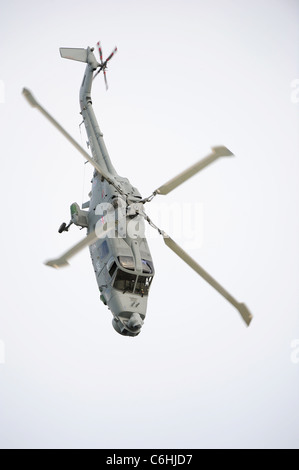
74,54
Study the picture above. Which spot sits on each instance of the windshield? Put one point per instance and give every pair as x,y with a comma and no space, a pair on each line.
124,281
127,282
127,262
142,285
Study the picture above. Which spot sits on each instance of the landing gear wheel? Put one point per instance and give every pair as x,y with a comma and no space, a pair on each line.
62,228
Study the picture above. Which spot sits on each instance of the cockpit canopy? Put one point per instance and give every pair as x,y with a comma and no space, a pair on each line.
127,282
131,282
127,262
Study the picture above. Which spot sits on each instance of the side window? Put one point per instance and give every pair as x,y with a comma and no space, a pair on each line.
147,266
112,269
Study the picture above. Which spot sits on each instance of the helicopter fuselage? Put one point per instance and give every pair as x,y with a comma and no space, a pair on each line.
122,261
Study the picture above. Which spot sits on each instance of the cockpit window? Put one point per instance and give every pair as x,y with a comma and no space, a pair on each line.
127,282
147,266
127,262
112,269
142,285
124,281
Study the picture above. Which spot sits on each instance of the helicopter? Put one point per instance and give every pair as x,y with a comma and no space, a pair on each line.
115,217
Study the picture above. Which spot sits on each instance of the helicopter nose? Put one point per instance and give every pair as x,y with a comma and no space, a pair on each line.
129,327
135,321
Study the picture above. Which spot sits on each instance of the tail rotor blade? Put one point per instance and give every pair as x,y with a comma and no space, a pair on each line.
103,65
111,55
96,74
105,78
100,51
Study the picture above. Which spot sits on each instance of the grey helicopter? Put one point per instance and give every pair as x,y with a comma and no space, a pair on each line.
115,217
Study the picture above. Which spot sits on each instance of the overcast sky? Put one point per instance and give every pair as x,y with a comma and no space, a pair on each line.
188,75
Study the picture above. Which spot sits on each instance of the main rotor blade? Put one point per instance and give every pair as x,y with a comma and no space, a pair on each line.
32,101
100,232
185,175
242,309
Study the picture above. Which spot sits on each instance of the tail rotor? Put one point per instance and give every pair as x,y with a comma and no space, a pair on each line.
103,64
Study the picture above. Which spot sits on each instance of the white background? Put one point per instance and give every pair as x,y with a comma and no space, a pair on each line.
188,75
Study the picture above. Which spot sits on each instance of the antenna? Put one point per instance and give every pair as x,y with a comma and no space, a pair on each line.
103,65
